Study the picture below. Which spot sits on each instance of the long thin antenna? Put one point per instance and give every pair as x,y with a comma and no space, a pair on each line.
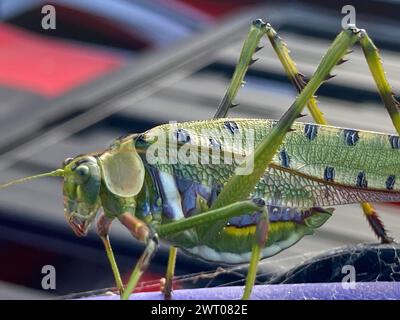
55,173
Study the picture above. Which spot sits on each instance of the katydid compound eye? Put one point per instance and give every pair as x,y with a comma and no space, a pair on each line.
82,170
67,161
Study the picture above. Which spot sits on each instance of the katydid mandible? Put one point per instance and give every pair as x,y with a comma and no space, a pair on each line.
288,177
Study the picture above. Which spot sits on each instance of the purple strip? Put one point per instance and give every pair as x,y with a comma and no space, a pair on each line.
303,291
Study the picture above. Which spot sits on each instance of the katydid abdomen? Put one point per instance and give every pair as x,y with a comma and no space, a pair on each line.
316,166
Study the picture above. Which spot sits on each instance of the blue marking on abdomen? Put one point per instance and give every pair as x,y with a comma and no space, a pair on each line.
276,213
170,196
189,192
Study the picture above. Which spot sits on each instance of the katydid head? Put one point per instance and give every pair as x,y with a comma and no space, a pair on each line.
81,192
119,170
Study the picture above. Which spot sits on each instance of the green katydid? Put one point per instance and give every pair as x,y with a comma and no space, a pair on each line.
229,211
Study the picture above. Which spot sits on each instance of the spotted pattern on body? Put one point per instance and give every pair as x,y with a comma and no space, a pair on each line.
309,150
311,131
362,180
285,158
391,180
394,142
182,136
329,174
214,143
231,126
351,137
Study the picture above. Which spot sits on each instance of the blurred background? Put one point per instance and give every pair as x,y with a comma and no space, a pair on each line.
122,66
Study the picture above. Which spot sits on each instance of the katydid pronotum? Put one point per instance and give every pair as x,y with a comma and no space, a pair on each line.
230,211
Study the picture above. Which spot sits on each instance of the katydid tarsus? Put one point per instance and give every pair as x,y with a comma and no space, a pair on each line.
227,211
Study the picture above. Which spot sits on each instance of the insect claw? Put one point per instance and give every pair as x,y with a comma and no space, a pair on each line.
349,51
301,115
330,76
258,48
341,61
252,61
302,77
233,105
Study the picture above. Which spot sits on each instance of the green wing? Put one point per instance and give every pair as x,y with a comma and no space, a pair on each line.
316,165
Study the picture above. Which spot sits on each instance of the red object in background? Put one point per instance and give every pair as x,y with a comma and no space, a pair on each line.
46,66
24,267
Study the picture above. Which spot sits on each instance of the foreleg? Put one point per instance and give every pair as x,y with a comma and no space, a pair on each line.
103,228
